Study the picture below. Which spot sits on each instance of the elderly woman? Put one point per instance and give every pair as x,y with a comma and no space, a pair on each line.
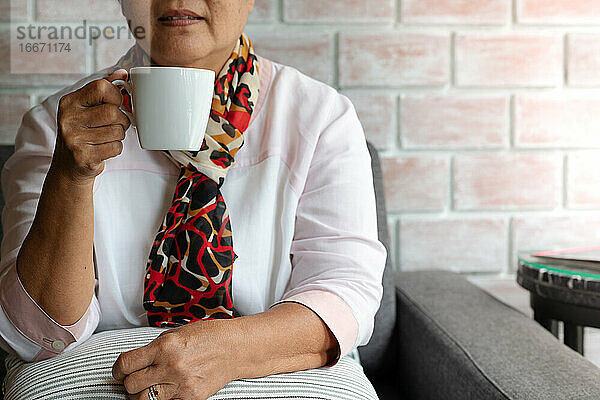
86,247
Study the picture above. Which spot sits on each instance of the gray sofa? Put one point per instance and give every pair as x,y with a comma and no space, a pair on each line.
437,336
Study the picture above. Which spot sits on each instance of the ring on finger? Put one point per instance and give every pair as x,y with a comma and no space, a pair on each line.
153,393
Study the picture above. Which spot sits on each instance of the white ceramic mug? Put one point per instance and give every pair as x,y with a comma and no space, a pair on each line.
171,106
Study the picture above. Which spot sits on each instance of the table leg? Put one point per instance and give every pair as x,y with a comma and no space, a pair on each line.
550,324
574,337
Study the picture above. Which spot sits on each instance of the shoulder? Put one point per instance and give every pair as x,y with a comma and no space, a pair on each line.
285,77
304,103
303,121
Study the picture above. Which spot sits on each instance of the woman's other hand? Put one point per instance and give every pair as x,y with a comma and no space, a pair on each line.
190,362
91,128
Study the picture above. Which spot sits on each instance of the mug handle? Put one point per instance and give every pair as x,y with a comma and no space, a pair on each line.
126,91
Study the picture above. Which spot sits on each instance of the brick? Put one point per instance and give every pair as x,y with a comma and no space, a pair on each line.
77,10
507,181
339,11
377,113
50,66
264,11
558,11
415,183
583,181
393,59
456,11
453,121
108,52
312,55
72,60
12,108
14,10
554,232
557,120
492,59
462,245
583,68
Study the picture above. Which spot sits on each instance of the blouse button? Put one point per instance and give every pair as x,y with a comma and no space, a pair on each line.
58,345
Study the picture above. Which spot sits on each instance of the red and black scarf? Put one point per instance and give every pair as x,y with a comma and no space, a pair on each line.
189,271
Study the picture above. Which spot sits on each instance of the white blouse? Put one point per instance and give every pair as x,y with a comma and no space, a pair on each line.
300,198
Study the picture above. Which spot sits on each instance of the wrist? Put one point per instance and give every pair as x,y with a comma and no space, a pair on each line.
68,179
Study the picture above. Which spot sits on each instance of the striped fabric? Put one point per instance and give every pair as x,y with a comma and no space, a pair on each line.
85,373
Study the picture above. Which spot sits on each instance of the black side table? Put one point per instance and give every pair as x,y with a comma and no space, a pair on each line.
562,293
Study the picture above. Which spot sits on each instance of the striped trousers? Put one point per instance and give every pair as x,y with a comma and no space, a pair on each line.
85,373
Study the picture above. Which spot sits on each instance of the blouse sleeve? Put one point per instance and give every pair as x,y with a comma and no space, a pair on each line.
337,259
25,329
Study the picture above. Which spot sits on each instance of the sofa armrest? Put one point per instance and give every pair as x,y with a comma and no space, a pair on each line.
456,341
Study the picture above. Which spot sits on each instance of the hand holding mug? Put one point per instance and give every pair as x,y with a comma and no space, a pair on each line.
91,127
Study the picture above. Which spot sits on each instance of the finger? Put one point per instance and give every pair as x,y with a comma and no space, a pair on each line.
104,115
144,378
133,360
161,391
98,92
118,74
103,152
105,134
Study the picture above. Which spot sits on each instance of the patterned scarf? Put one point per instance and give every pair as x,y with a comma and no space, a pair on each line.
189,271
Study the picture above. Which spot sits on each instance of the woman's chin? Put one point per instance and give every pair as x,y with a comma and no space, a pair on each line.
176,58
181,49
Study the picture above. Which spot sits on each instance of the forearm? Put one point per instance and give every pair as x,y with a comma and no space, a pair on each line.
288,337
56,258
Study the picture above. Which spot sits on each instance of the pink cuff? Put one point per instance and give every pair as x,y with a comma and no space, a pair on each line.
335,313
32,321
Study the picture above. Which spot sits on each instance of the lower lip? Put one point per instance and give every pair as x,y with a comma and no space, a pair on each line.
181,22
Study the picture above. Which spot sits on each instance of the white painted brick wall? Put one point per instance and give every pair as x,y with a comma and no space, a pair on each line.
486,112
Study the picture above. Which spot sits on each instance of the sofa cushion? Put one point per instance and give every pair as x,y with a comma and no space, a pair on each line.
5,152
